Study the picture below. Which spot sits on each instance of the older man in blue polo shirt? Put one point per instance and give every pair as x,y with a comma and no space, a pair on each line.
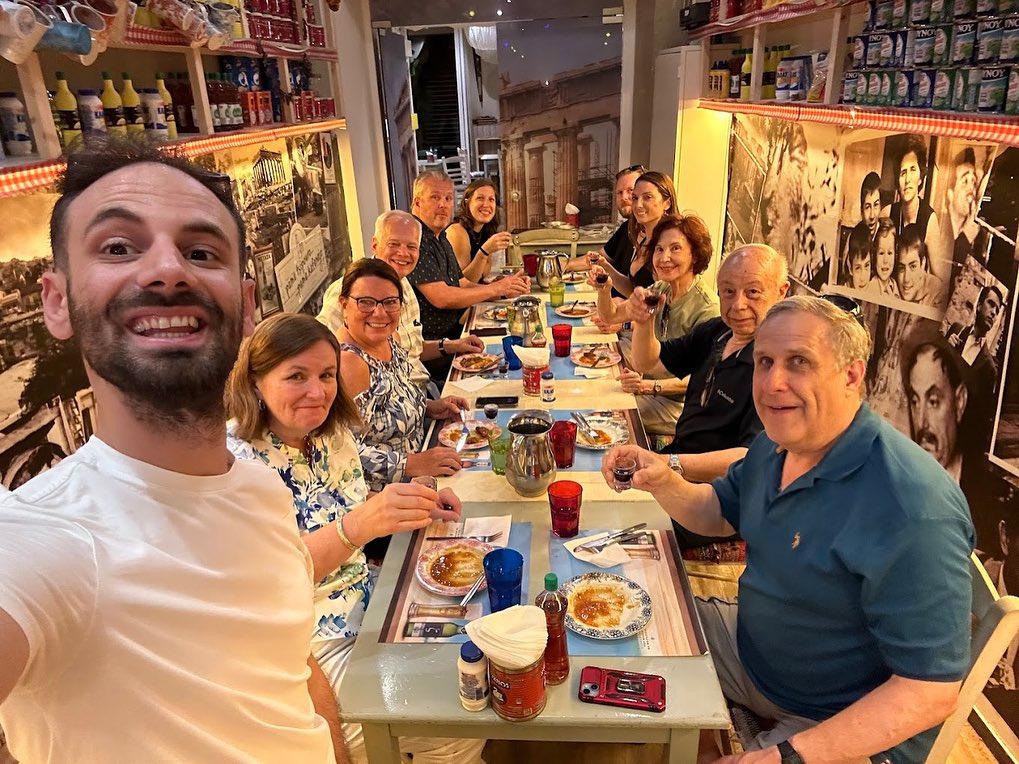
852,631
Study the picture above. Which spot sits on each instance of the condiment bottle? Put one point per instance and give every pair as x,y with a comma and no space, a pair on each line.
745,74
169,114
472,668
66,105
113,107
132,104
547,387
557,656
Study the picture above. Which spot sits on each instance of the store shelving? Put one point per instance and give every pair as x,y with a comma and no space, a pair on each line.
145,38
787,11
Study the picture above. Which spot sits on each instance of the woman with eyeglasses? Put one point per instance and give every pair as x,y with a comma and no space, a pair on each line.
474,234
653,197
375,373
681,250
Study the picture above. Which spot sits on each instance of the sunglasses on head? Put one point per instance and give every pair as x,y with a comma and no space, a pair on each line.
845,304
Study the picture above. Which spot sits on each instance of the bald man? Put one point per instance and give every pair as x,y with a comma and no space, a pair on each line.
719,419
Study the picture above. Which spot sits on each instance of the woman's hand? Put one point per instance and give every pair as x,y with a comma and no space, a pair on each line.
498,241
438,462
592,278
594,258
636,308
605,327
447,408
398,507
468,344
633,382
652,472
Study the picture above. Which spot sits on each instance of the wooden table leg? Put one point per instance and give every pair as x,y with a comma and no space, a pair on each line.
683,746
379,744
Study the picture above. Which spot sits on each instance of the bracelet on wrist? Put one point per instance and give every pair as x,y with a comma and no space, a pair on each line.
484,252
344,538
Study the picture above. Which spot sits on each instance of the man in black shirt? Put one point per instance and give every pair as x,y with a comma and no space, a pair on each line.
719,419
442,291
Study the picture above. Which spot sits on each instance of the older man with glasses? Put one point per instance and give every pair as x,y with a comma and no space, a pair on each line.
718,420
853,625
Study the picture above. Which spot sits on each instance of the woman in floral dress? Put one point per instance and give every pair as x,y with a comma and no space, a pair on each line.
287,411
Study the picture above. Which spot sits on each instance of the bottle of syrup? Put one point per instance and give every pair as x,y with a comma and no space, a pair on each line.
557,657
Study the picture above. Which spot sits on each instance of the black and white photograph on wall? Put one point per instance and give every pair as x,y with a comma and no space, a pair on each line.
305,154
964,170
885,392
785,176
1005,437
998,216
328,158
976,314
892,250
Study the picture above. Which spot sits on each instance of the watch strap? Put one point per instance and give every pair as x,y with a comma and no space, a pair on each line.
789,754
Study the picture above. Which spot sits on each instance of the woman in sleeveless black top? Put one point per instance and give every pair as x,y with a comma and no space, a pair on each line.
473,235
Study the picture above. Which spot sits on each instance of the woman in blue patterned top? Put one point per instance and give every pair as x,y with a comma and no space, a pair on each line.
287,411
377,376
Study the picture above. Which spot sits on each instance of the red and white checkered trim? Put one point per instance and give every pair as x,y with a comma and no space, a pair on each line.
790,9
41,175
978,127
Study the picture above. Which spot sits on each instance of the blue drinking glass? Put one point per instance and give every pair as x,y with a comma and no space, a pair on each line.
504,571
507,349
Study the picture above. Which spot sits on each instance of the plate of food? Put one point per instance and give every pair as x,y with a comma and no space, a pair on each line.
450,568
595,357
608,432
495,313
606,606
475,363
478,433
580,310
574,277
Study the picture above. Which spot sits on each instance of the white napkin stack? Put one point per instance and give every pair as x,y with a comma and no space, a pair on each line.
513,638
609,557
532,356
572,209
583,371
471,384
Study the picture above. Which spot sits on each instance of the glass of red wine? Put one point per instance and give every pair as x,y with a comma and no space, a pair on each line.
622,472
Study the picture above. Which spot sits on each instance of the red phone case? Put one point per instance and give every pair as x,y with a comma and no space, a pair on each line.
625,689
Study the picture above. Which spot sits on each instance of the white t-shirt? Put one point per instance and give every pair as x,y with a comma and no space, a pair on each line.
168,616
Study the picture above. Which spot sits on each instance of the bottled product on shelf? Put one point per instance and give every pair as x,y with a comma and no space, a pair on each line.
745,69
132,103
17,140
961,56
215,98
66,110
168,110
90,112
154,112
113,107
768,74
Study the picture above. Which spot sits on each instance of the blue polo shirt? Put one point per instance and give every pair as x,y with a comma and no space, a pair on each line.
858,570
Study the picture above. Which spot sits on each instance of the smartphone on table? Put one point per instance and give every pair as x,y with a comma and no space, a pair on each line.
625,689
504,401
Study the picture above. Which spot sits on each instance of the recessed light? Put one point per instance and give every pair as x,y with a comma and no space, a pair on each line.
499,12
608,34
470,13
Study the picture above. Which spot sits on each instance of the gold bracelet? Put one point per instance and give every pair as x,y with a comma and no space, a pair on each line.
344,539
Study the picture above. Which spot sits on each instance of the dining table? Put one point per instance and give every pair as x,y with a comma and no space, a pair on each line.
401,679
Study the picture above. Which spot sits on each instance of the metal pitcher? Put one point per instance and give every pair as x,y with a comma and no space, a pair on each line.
524,318
550,266
530,465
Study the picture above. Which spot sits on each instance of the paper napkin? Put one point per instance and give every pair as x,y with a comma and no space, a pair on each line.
513,638
583,371
471,384
610,556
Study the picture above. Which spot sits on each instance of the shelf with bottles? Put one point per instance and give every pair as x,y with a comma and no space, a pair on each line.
26,177
949,124
789,11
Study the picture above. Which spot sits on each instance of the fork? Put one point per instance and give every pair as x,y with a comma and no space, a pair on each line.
463,420
483,538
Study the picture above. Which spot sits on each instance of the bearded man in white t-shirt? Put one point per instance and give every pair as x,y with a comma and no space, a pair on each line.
155,599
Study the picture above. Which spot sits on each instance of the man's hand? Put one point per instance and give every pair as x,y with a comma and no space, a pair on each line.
446,408
511,286
468,344
438,462
764,756
652,473
953,340
633,382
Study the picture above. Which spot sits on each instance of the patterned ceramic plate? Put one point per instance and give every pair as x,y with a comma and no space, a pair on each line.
474,363
610,431
479,433
574,277
450,568
498,313
580,310
595,357
606,606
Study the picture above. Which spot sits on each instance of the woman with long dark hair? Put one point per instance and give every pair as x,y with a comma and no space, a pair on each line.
475,235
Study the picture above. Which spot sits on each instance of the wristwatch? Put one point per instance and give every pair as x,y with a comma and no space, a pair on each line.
656,388
675,465
788,753
442,347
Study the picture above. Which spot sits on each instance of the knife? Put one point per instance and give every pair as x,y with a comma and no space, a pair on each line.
612,537
462,442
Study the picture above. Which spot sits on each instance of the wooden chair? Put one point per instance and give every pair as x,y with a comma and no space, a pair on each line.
458,171
995,625
535,239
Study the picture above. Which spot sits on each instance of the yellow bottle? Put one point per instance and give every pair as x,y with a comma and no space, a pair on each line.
744,87
171,120
113,107
69,124
132,106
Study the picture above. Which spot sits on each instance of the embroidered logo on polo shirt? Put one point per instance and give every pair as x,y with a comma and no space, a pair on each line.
725,395
796,539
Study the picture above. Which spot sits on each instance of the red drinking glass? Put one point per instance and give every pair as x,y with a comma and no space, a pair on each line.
562,335
564,443
564,498
531,265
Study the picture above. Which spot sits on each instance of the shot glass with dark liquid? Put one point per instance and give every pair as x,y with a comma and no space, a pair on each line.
651,300
601,279
622,472
491,411
592,258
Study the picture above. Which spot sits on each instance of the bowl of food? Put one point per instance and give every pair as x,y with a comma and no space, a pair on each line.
450,568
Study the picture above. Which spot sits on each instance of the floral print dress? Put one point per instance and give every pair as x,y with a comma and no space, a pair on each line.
325,485
392,409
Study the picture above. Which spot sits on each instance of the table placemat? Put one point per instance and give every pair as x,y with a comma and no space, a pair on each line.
562,368
584,460
671,630
417,616
554,318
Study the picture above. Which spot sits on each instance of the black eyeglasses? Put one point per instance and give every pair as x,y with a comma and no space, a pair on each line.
367,304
